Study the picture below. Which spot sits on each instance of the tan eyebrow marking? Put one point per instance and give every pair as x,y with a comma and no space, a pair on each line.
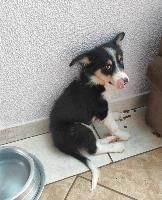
109,62
119,57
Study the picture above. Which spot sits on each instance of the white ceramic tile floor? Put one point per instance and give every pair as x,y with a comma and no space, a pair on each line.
57,165
141,140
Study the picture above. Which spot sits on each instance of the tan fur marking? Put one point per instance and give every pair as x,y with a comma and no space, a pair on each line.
119,57
109,62
85,60
100,78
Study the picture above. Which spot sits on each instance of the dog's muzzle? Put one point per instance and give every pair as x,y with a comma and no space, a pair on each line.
119,80
125,80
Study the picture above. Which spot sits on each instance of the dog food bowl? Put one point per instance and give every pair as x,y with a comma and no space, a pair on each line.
21,175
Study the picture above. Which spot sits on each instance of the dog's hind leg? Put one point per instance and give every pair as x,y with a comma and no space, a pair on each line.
82,141
103,148
102,145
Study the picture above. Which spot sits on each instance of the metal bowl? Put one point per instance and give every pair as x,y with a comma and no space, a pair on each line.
21,175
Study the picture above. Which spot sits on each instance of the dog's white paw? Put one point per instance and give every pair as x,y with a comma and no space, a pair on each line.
118,147
122,135
112,138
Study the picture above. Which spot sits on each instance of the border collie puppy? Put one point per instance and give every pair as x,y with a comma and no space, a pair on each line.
85,99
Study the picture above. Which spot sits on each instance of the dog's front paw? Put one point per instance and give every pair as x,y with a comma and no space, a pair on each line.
122,135
113,138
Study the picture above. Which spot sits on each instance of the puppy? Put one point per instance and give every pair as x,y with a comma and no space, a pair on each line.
84,99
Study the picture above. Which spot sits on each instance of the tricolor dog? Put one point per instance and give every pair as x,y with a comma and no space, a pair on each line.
85,99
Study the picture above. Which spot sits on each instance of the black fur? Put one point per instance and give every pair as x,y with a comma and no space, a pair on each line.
80,102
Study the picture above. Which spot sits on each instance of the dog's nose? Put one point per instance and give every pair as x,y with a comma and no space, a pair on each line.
125,80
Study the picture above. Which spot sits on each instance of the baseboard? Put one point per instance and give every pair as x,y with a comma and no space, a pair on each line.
22,131
41,126
129,103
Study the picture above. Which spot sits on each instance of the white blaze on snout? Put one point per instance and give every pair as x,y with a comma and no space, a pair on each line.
112,53
118,74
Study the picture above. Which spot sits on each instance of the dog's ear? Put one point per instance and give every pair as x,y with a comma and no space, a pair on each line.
118,39
83,59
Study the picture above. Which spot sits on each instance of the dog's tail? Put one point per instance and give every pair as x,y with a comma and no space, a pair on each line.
90,165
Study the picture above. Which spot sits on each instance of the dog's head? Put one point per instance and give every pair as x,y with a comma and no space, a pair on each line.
104,64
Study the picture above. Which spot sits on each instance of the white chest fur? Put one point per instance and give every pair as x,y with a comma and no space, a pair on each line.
107,94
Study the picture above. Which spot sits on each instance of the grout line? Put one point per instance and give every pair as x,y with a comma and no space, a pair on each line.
136,155
24,138
71,187
101,138
63,179
112,189
110,158
112,161
115,162
79,175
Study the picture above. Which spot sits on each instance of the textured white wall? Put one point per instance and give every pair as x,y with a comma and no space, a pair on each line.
40,37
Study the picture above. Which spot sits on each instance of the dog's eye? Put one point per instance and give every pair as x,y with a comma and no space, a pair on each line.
108,67
120,60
